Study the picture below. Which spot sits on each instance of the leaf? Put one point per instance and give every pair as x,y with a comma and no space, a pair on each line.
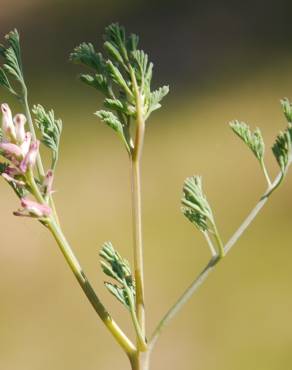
118,269
118,78
253,140
282,148
4,82
111,120
116,36
155,99
119,293
113,52
50,128
85,54
132,42
195,205
287,109
98,82
12,56
14,41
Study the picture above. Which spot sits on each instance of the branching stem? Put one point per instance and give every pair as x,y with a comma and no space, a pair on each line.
76,268
184,298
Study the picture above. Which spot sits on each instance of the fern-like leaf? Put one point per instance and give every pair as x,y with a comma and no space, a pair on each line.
253,140
51,129
195,205
118,269
282,148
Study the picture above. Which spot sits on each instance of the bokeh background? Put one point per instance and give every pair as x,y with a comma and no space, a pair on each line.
223,60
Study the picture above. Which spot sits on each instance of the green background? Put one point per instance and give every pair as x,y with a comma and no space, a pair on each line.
222,60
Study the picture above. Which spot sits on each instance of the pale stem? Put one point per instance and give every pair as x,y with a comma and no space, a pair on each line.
210,244
211,264
138,246
137,208
140,361
76,268
265,171
139,334
99,308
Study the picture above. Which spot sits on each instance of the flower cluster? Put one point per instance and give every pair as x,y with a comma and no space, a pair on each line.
20,150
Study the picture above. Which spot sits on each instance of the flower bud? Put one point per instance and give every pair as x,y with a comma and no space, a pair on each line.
31,156
11,150
48,182
12,180
19,122
7,123
34,209
26,144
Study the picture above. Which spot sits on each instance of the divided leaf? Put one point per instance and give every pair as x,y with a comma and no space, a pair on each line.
4,82
155,98
12,56
50,128
116,36
118,269
195,205
85,54
253,140
282,148
123,76
111,120
287,109
11,68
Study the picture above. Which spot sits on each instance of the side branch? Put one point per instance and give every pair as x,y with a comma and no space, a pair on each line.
184,298
74,265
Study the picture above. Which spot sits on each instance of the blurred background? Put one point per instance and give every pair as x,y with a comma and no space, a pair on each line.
223,60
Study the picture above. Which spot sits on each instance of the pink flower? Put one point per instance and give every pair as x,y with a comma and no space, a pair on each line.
9,178
48,182
7,123
11,150
33,209
26,144
19,123
12,175
31,156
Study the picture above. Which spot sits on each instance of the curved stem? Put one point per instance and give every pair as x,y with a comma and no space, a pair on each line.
265,171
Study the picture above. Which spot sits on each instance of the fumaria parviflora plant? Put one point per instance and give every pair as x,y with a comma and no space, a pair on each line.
123,76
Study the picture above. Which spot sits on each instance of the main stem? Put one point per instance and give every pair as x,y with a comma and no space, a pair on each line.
138,244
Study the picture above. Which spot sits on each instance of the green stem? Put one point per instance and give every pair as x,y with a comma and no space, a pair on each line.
137,207
99,308
75,267
140,361
138,245
139,334
203,275
219,242
265,171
